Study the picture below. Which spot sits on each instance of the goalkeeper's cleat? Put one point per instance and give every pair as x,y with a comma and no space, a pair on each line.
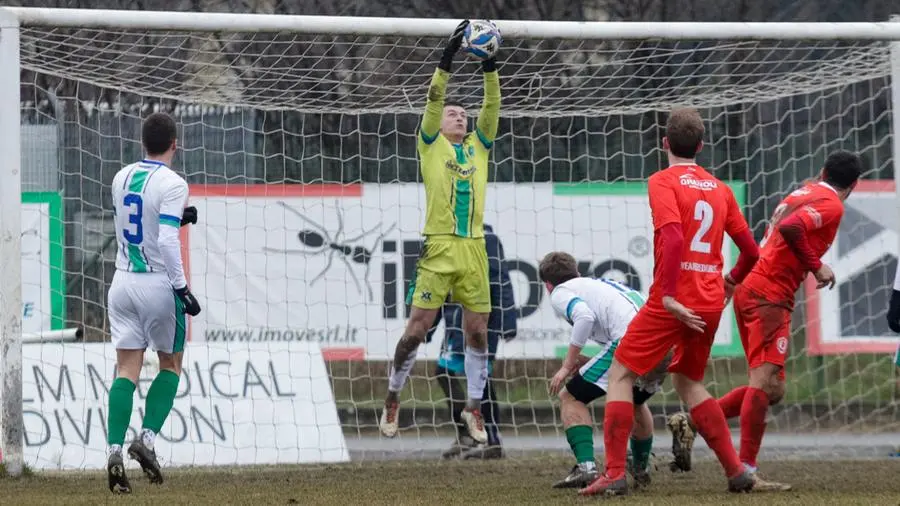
741,483
147,459
604,485
580,476
458,447
483,452
388,423
475,423
115,473
683,436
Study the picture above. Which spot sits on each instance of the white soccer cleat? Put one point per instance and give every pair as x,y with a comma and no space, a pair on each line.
388,423
475,423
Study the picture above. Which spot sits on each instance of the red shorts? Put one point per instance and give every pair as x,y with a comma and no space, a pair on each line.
765,328
652,333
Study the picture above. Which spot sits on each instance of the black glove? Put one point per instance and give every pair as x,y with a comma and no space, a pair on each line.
189,216
453,46
191,306
893,316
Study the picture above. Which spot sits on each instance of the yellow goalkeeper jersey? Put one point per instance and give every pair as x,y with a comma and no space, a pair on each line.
455,175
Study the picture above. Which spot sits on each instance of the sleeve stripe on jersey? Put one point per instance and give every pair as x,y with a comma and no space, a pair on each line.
575,300
486,143
429,139
168,219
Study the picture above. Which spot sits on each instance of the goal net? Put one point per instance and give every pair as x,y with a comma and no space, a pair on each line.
300,151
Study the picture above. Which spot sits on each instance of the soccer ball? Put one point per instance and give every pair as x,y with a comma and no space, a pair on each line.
482,39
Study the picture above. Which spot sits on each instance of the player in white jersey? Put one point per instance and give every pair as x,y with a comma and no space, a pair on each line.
149,296
599,310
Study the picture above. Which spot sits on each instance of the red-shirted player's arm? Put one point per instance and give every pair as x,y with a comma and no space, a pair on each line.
736,227
796,227
667,224
671,238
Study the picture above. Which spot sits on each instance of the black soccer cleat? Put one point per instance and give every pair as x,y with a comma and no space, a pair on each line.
641,477
115,472
483,452
741,483
458,448
147,459
578,477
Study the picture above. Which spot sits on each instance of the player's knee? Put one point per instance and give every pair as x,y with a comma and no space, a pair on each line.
170,362
775,391
416,329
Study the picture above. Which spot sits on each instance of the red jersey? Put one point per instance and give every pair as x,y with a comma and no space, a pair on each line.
706,209
778,273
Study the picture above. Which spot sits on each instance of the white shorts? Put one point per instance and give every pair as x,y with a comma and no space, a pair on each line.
144,312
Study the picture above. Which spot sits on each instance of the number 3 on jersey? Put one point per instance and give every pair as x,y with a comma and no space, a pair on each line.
703,212
135,205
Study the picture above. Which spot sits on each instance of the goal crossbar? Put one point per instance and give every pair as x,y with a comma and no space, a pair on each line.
415,27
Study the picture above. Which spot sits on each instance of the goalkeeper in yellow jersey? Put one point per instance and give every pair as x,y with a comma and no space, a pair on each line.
454,164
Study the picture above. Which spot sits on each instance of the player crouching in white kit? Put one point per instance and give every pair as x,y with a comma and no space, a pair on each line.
598,310
149,296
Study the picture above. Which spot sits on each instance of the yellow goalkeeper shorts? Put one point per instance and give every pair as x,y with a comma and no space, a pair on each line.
451,265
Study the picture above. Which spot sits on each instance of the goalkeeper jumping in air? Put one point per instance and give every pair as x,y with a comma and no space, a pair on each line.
454,166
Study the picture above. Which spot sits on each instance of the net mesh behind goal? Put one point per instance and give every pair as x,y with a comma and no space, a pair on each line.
301,154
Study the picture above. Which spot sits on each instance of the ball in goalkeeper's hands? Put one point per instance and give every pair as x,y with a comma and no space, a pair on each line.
482,39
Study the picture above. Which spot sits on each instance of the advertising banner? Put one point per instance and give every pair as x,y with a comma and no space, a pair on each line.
237,403
331,264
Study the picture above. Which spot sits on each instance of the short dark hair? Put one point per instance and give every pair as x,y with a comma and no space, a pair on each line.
158,133
454,103
684,129
558,267
842,169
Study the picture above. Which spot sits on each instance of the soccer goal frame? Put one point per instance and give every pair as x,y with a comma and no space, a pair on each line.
11,19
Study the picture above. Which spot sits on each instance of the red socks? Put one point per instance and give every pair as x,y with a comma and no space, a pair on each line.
711,424
732,401
753,424
617,423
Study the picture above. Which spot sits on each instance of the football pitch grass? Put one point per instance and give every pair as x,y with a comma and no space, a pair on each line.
517,481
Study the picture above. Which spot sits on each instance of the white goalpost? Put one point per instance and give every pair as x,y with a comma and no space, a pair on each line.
297,135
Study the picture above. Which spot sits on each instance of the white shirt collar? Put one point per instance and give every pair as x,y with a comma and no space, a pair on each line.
826,185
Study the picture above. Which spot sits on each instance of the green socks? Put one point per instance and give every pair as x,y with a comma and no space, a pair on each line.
160,398
121,399
640,452
581,439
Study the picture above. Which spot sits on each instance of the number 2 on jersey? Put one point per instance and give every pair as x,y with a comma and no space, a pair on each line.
703,212
135,205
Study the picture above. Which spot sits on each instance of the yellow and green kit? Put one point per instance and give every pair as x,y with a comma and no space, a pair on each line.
454,260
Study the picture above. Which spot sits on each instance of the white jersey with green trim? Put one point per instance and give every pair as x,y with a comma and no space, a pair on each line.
610,304
149,200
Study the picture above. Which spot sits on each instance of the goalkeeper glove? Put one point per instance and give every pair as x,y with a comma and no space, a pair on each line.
191,306
453,46
893,316
189,216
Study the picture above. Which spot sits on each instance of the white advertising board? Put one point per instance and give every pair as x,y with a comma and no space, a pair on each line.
253,403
